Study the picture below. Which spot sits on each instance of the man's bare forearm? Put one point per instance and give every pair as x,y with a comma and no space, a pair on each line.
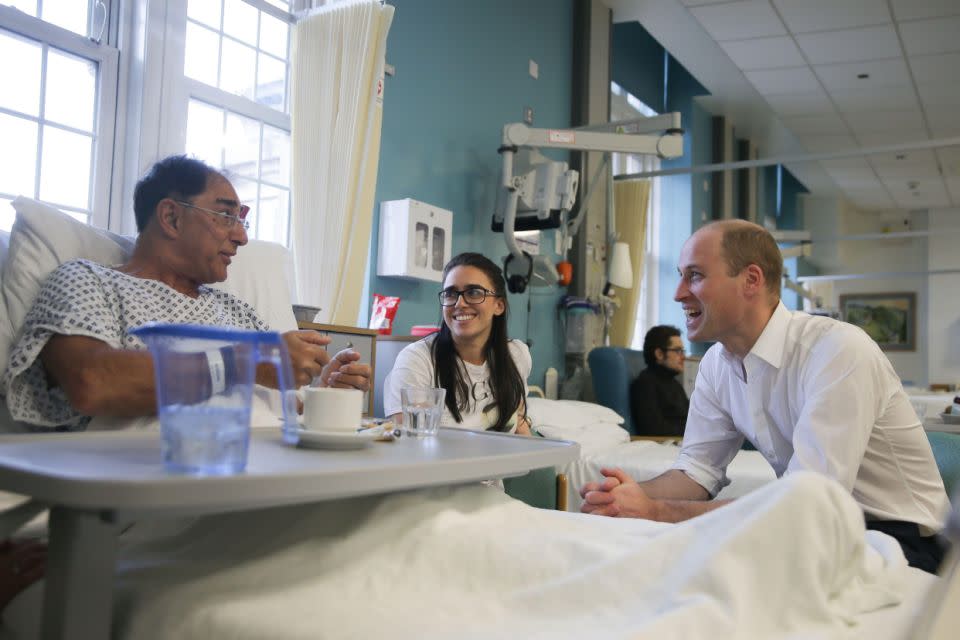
680,510
674,485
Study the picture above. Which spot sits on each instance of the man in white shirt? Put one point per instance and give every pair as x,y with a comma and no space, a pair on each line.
810,393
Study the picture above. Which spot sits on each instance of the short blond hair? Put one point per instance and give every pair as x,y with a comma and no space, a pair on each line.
745,243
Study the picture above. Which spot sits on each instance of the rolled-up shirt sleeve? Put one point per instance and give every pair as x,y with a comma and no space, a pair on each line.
710,440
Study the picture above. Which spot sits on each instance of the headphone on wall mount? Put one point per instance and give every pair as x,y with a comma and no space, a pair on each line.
517,283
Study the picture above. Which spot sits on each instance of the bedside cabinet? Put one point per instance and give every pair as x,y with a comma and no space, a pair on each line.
363,341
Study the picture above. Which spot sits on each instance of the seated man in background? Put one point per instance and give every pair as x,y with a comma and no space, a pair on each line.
810,393
75,358
657,400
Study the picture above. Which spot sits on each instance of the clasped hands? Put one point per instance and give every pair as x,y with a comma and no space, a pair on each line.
310,359
617,495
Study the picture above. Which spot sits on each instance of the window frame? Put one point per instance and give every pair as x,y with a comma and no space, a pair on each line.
104,133
177,90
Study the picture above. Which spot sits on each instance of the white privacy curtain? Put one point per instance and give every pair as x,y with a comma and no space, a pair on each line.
336,105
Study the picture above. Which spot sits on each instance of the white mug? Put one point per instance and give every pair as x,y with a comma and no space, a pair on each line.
328,409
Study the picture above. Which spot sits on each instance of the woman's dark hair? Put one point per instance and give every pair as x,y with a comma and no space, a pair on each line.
657,338
449,372
178,177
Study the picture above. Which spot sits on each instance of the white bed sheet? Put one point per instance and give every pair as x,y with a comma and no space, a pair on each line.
790,560
646,459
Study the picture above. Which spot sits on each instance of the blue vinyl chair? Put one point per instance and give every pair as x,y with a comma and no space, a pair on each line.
612,370
946,451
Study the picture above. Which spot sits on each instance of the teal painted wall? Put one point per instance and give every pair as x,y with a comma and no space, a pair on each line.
634,60
461,74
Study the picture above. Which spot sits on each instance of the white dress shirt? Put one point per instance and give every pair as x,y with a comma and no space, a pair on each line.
816,394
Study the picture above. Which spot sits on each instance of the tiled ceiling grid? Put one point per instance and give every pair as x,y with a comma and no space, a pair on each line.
850,74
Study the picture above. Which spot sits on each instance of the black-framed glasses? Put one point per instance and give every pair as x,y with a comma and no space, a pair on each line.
231,219
471,295
676,349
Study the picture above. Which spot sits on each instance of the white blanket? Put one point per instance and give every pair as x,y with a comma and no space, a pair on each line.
789,560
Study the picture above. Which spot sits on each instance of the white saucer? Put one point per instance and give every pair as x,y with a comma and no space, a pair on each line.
335,440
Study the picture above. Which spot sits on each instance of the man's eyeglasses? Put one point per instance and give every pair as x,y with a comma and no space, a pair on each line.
680,350
231,219
471,295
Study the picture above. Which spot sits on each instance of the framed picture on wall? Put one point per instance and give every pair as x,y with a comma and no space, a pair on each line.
888,318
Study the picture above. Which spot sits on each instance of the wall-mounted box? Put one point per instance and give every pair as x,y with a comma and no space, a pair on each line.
415,240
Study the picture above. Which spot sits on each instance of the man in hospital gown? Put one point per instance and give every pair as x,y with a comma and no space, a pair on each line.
810,393
75,357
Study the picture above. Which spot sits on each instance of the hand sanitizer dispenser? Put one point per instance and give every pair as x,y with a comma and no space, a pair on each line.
415,240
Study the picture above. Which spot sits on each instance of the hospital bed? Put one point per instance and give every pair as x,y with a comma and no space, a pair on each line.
469,561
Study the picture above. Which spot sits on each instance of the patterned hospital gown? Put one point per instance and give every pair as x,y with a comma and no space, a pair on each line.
83,298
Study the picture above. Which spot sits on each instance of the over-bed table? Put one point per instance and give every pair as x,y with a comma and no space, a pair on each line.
97,482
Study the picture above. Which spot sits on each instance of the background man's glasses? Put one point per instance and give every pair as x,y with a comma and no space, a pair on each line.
473,295
231,219
676,349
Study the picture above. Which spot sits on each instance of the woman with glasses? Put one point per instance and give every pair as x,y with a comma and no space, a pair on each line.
657,399
483,372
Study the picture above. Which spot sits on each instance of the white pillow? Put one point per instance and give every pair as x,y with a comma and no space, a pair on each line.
570,413
261,274
44,237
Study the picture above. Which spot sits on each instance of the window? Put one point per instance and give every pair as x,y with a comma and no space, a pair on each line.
625,106
236,76
57,109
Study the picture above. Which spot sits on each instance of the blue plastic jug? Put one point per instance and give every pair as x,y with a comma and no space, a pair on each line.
204,380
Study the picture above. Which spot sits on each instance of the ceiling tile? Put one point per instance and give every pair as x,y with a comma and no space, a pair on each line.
953,187
907,173
857,179
940,94
764,53
826,144
894,136
935,68
873,199
881,73
800,104
739,20
944,124
900,98
780,81
950,161
915,9
870,121
827,124
850,45
802,16
923,158
840,164
928,193
922,37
